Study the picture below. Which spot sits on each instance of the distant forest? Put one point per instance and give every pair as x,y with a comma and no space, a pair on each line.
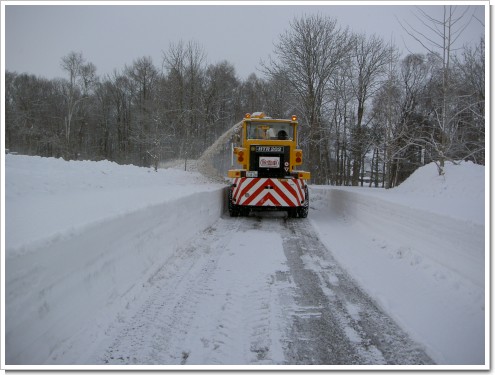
366,115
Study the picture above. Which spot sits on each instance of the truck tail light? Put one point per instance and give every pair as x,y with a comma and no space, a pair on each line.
298,157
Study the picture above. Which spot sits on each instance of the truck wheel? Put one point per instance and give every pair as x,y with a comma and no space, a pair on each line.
233,209
304,209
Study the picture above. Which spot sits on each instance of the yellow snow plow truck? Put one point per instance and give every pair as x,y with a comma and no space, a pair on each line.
268,178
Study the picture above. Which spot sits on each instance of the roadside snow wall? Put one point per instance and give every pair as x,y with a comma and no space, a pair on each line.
55,291
427,270
453,243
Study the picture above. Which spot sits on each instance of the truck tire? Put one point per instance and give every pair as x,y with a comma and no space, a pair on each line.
233,208
304,209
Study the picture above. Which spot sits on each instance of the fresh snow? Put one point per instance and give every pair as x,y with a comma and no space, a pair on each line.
83,237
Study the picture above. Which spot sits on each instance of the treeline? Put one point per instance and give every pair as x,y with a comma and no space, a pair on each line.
366,115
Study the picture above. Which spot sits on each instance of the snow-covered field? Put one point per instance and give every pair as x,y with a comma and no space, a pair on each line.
81,239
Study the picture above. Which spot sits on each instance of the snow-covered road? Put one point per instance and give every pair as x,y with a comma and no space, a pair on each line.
117,265
255,291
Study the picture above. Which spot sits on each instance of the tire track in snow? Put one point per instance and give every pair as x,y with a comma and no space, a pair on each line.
335,322
215,302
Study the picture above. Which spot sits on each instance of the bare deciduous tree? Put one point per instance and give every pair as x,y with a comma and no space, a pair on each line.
82,77
185,67
372,57
439,37
308,54
470,72
143,78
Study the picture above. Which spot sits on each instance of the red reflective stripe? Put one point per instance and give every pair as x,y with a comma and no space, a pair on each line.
236,188
290,188
255,184
283,196
276,195
299,189
283,193
237,183
256,193
266,198
242,188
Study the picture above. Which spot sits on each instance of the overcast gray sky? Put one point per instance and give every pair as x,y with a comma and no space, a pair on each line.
112,36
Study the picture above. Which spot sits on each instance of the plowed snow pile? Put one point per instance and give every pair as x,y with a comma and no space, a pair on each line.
460,193
48,197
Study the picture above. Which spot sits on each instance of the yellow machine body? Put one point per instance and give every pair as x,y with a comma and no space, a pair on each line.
268,179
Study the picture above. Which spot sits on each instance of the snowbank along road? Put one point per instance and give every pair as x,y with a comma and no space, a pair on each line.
136,280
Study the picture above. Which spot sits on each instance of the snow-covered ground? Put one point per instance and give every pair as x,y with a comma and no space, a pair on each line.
418,250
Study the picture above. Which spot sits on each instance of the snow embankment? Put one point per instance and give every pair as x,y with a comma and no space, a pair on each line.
419,250
78,237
